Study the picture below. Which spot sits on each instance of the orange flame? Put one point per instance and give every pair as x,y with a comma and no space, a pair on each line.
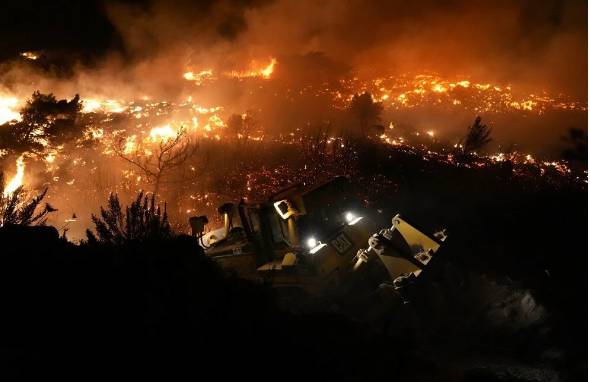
8,112
17,179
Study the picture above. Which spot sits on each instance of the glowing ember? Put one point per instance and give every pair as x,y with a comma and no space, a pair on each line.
17,179
406,92
199,77
266,72
109,105
94,133
29,55
438,88
130,144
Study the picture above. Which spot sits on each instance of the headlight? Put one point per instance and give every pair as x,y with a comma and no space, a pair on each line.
351,218
314,245
284,208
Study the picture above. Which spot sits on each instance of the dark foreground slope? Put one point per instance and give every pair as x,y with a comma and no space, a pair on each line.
506,300
509,295
161,309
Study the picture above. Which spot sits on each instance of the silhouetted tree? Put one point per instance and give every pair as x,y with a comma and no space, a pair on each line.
157,159
477,137
142,220
18,209
577,140
44,120
365,109
235,124
241,126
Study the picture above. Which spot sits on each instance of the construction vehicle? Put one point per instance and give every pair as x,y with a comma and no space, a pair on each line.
312,238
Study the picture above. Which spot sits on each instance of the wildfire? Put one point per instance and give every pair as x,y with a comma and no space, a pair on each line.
199,77
162,133
438,88
29,55
407,92
207,75
94,133
267,71
264,72
139,125
130,144
8,111
17,179
109,106
91,106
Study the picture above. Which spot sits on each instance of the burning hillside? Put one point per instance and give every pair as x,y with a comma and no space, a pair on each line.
463,94
319,177
198,155
249,104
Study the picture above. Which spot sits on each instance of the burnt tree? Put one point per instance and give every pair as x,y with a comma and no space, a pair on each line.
156,159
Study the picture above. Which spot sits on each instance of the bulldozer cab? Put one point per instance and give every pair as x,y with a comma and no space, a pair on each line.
301,227
310,238
317,210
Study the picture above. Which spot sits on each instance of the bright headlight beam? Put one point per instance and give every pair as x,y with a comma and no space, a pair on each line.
314,245
317,248
349,216
355,220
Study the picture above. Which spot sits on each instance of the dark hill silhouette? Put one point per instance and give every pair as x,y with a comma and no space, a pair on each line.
506,301
161,308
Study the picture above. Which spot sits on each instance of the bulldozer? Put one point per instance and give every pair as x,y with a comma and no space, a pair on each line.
313,238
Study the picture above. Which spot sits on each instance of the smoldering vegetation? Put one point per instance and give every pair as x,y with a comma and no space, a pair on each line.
136,298
142,48
82,157
504,301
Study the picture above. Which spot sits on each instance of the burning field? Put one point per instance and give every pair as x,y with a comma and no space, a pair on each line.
195,153
469,117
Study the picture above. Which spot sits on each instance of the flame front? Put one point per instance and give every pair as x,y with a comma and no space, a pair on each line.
17,180
264,72
141,125
163,133
267,71
8,109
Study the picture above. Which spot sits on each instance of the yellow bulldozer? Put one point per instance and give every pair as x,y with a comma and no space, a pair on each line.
312,238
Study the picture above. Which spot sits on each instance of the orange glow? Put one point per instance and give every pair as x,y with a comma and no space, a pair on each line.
198,77
163,133
267,71
92,105
438,88
29,55
8,109
130,144
264,72
17,179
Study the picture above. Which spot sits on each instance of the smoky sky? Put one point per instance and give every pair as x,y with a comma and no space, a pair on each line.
541,44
